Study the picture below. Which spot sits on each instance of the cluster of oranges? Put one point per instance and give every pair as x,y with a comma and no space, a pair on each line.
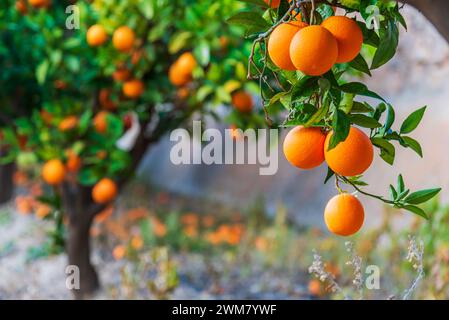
123,40
54,173
314,49
307,148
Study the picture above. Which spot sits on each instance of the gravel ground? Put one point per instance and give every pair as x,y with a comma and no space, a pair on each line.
200,277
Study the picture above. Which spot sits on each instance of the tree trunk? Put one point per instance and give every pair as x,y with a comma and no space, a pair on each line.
78,251
6,181
78,205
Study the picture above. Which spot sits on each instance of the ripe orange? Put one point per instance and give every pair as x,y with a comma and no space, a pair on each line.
21,6
315,288
121,74
73,163
119,252
104,97
304,147
100,122
273,3
53,172
68,123
96,35
39,3
104,191
242,101
348,35
123,38
133,88
178,78
186,63
279,43
344,214
180,72
313,50
352,156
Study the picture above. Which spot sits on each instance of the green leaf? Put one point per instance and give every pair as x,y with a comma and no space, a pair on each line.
413,144
422,196
251,20
412,120
41,71
389,39
179,41
416,210
359,107
364,121
393,193
359,89
360,64
329,175
387,151
304,87
88,176
341,125
390,118
400,184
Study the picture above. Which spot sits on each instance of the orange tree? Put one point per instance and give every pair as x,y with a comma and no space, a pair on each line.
99,94
304,53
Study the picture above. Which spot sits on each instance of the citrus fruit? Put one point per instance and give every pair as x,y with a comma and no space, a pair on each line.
242,101
279,43
352,156
53,172
304,147
96,35
123,39
104,191
348,35
313,50
344,214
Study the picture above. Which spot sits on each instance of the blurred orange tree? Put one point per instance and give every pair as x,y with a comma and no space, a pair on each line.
86,102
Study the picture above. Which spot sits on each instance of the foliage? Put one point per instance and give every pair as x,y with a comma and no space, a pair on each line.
333,101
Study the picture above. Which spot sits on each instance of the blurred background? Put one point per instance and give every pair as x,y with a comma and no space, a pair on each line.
224,231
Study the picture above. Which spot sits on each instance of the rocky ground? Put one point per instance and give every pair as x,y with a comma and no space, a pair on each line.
200,277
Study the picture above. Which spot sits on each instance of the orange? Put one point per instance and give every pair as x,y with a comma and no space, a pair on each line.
39,3
96,35
313,50
104,97
73,163
314,287
242,101
178,78
21,6
180,72
121,74
100,122
133,88
279,43
123,39
137,242
68,123
344,214
352,156
273,3
348,35
53,172
186,63
304,147
119,252
42,210
104,191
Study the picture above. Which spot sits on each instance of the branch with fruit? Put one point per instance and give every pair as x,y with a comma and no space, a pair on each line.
304,55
